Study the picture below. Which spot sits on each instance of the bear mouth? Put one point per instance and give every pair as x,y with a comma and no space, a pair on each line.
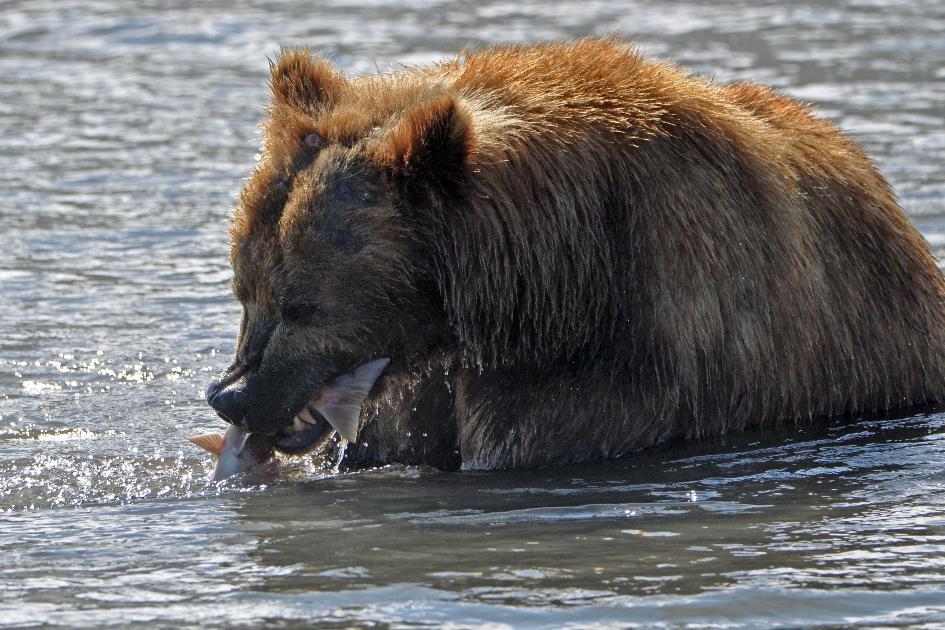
309,431
335,408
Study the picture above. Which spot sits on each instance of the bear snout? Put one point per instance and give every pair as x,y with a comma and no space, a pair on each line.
230,403
238,398
265,400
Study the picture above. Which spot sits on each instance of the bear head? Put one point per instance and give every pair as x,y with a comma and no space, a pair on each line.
329,241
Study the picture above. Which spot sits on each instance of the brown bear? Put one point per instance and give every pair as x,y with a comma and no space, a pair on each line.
566,252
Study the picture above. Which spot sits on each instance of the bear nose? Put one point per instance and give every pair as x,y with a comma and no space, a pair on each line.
230,403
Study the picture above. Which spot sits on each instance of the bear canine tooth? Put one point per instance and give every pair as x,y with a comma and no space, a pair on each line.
340,401
297,424
306,416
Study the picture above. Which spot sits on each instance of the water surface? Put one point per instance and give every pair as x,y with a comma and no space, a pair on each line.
125,132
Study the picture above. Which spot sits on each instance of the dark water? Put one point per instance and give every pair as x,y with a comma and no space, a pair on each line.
125,131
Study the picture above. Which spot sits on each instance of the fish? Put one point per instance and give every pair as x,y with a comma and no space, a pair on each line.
340,401
236,451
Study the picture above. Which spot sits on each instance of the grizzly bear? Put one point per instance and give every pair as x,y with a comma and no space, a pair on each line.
563,252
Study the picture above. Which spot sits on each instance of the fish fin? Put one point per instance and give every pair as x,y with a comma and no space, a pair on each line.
340,402
212,442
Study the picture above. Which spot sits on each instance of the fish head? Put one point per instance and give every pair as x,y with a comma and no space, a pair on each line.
236,451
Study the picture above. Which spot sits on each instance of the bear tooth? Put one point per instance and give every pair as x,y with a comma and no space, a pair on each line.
306,416
297,424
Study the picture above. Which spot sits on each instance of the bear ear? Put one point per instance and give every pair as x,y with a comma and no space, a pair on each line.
433,142
304,81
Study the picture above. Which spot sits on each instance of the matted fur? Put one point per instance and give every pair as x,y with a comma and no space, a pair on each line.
622,253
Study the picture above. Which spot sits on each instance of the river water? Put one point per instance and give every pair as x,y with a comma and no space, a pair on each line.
125,131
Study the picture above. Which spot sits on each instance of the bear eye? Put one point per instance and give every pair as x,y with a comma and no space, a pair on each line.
314,141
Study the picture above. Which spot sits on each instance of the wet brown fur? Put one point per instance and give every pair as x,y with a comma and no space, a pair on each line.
609,252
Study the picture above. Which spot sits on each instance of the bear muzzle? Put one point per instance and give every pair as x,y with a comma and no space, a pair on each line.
336,407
